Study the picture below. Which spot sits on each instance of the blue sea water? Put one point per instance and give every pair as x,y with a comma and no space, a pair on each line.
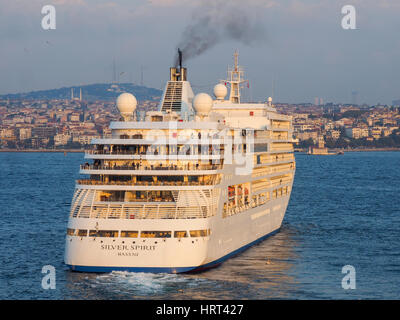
344,210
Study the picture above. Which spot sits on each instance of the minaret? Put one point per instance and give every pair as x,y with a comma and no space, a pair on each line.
114,72
72,93
80,95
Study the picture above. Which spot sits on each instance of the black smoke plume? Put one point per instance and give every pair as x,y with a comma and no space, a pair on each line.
218,21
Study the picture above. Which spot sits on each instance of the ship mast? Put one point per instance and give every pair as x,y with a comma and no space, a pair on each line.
235,78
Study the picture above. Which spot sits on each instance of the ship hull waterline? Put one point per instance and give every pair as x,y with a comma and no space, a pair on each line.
193,269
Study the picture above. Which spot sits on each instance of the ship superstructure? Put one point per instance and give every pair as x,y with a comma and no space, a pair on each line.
182,188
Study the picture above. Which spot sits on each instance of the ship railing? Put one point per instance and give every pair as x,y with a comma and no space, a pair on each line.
282,149
280,137
230,210
274,168
283,169
144,183
280,123
152,167
115,152
281,181
275,181
144,199
275,160
279,128
151,211
285,148
179,153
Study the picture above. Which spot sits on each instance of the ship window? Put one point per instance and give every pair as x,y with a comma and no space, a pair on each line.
180,234
260,147
199,233
81,233
103,233
70,232
156,118
129,234
155,234
118,196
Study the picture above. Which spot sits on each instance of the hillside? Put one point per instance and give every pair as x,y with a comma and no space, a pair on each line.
92,92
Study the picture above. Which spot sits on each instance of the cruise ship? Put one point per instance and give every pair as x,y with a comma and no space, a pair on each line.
184,187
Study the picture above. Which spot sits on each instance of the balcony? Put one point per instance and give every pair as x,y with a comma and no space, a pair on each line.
141,211
156,156
280,126
139,167
145,183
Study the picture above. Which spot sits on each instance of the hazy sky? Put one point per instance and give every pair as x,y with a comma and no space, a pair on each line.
299,43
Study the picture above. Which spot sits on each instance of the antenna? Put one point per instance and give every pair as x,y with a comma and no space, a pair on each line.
114,71
236,59
235,77
273,86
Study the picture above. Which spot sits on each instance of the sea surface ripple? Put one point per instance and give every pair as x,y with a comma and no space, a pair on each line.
344,210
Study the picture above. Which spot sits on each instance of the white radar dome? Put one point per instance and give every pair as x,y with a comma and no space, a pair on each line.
202,103
126,103
220,91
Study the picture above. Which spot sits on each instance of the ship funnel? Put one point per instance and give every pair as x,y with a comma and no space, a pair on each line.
178,94
178,74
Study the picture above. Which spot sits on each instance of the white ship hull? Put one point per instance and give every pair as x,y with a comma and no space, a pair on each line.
173,255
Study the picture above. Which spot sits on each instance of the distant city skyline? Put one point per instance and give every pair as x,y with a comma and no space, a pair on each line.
302,53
